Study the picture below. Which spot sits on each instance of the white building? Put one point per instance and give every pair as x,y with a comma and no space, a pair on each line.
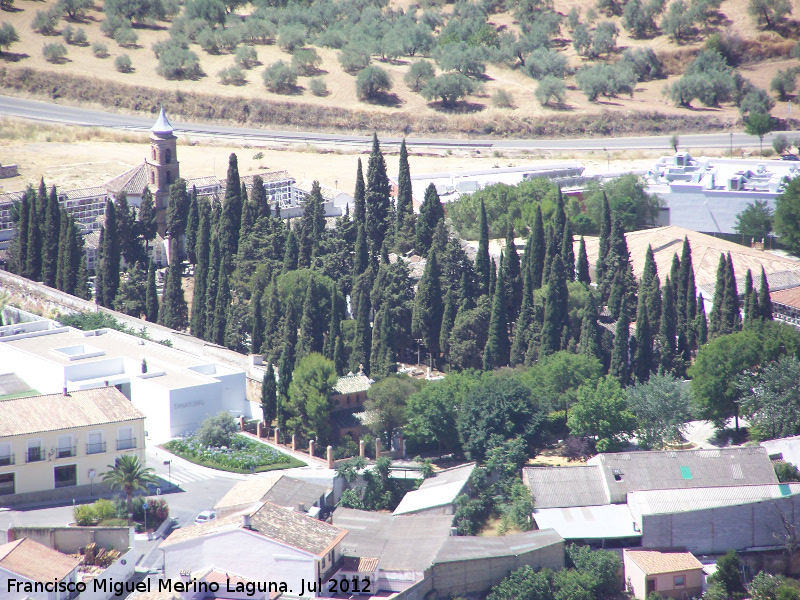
29,562
176,391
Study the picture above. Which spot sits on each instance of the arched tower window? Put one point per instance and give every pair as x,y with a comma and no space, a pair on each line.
169,177
168,156
154,153
152,175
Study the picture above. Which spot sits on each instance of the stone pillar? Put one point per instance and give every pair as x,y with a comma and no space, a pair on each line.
311,448
260,429
294,442
361,451
277,435
241,423
330,457
377,448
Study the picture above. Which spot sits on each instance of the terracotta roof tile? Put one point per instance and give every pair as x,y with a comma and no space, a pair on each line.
790,297
35,561
131,182
654,562
295,529
359,564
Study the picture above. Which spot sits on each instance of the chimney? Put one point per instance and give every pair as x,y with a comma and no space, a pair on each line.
246,521
361,449
311,447
66,393
330,457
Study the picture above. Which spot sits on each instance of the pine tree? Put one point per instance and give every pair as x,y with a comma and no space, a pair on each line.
643,358
430,213
605,239
619,351
497,351
362,340
426,322
359,198
269,395
715,319
231,210
98,264
512,277
538,250
556,310
582,270
764,300
52,227
667,330
731,315
22,229
33,265
192,227
212,288
700,324
377,200
151,297
291,253
256,324
111,257
201,256
405,221
174,310
63,233
568,252
589,343
482,265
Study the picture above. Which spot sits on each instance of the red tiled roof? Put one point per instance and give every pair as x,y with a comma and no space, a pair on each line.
35,561
359,564
790,297
130,182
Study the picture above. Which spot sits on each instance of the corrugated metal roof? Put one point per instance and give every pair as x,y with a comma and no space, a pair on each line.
458,548
654,562
558,487
611,521
35,561
669,501
24,416
432,497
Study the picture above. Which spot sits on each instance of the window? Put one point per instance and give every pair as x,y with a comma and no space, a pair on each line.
169,178
125,439
34,451
6,458
6,484
154,153
65,448
95,443
65,476
679,581
168,156
152,175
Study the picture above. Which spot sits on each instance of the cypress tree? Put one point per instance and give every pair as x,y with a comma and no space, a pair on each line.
764,299
361,255
700,324
248,214
568,252
674,270
256,324
748,290
550,252
129,245
382,360
148,216
362,340
619,351
111,257
667,330
310,337
731,314
221,305
259,200
52,227
151,296
63,241
512,277
231,210
753,308
33,265
192,227
269,395
448,319
430,214
338,356
616,295
691,309
291,253
493,277
212,287
359,197
682,297
272,324
582,270
482,265
605,239
497,351
22,230
377,200
404,225
334,328
716,326
286,362
426,321
643,358
521,333
98,264
201,256
538,250
556,309
174,309
589,344
559,224
76,278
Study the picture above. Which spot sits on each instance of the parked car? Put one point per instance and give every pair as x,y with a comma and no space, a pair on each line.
792,157
205,516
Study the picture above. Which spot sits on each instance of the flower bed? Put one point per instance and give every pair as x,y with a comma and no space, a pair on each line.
240,457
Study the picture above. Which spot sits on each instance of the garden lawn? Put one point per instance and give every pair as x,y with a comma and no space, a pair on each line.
243,455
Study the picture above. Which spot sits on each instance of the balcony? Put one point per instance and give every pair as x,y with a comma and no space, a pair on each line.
67,452
97,448
6,460
128,444
34,455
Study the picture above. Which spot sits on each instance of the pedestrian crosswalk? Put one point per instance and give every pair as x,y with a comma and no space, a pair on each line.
179,477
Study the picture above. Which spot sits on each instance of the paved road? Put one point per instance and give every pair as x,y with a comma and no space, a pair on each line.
56,113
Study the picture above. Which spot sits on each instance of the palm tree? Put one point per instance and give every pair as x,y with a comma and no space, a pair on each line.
129,475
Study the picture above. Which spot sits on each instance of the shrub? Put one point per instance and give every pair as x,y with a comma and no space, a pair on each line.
100,50
372,82
112,23
8,35
123,63
104,509
551,88
240,456
178,63
46,21
502,99
756,100
420,73
543,63
54,53
84,515
354,57
786,471
246,57
217,431
606,80
208,41
306,61
80,39
318,87
605,38
232,75
67,33
280,78
573,18
126,37
229,38
450,88
581,39
644,62
728,45
291,37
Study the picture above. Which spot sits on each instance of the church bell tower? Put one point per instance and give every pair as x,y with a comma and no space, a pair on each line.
163,168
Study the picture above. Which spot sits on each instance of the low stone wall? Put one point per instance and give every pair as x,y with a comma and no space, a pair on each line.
79,493
7,171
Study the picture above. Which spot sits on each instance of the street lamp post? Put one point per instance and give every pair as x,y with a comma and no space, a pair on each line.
731,144
169,472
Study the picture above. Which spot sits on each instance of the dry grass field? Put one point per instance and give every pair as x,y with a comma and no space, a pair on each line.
648,97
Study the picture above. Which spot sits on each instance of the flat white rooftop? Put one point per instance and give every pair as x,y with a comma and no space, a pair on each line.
610,521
